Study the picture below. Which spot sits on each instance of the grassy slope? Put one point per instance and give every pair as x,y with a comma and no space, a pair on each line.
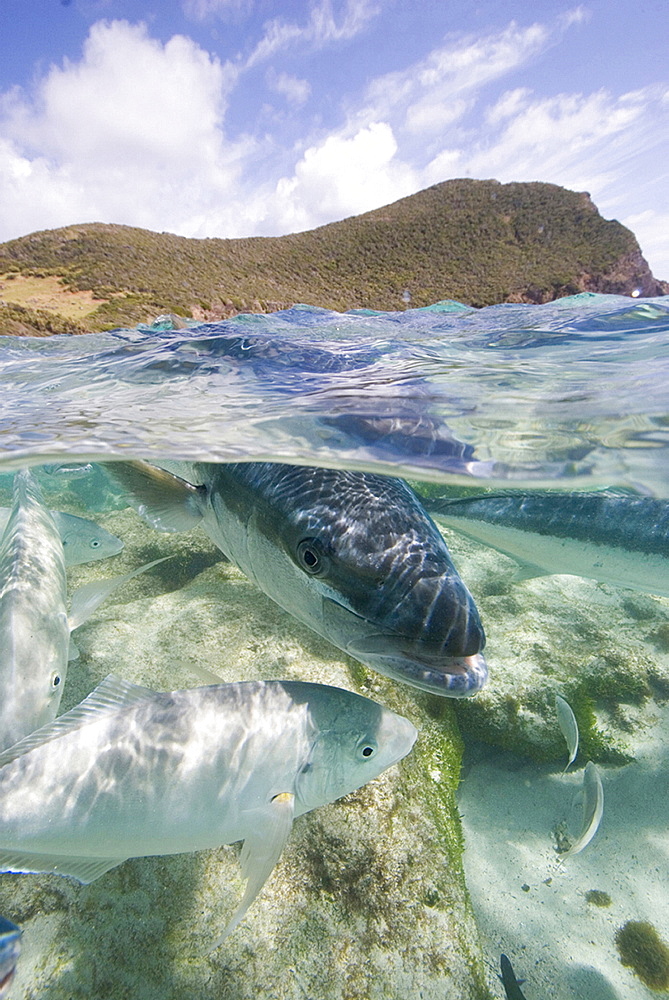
476,241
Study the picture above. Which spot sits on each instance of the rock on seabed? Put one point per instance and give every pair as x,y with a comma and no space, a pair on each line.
603,648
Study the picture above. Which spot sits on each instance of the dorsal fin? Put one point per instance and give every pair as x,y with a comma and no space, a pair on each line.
112,694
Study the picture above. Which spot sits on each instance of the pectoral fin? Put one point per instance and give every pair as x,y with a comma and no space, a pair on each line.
88,598
261,851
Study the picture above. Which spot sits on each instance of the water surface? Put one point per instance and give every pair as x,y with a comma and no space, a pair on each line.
575,392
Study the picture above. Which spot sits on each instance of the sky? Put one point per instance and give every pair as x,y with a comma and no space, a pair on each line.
259,118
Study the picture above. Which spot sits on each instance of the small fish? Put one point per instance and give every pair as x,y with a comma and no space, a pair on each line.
593,807
568,727
131,772
83,540
613,537
509,981
34,624
10,949
68,470
351,554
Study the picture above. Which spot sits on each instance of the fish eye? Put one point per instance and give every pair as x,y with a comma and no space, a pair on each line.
55,681
310,557
367,748
95,543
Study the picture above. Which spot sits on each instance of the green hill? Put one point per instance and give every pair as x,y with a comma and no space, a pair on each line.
480,242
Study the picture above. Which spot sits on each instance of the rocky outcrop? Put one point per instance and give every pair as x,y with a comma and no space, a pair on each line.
630,275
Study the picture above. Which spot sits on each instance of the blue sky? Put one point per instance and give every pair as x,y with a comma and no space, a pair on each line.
254,117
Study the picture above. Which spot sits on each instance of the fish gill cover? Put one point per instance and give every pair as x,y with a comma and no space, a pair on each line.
571,392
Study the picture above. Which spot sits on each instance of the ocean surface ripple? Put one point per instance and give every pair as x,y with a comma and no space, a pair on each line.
572,393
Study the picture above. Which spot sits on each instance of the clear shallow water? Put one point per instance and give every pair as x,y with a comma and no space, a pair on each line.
575,392
569,394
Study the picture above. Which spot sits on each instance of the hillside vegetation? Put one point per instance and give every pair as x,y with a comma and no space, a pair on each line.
479,242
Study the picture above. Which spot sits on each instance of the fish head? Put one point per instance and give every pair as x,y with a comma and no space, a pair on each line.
353,741
30,693
389,593
84,540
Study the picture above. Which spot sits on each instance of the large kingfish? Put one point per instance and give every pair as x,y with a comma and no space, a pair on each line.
34,623
615,538
351,554
131,772
83,540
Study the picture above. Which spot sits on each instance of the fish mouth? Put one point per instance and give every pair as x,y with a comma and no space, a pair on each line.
423,665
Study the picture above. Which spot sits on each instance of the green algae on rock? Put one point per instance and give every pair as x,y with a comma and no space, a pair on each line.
597,897
594,644
642,949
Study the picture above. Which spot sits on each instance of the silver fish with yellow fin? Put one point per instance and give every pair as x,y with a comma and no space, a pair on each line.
132,772
593,809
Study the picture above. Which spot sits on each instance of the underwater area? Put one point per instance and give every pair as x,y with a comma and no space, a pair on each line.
477,840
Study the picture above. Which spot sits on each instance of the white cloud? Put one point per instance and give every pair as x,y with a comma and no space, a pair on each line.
295,91
508,105
322,28
427,117
35,195
570,139
451,74
342,176
131,133
129,99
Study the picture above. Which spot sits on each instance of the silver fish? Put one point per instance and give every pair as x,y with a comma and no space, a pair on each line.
351,554
83,540
593,808
613,537
132,772
10,949
34,624
568,727
68,470
34,629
